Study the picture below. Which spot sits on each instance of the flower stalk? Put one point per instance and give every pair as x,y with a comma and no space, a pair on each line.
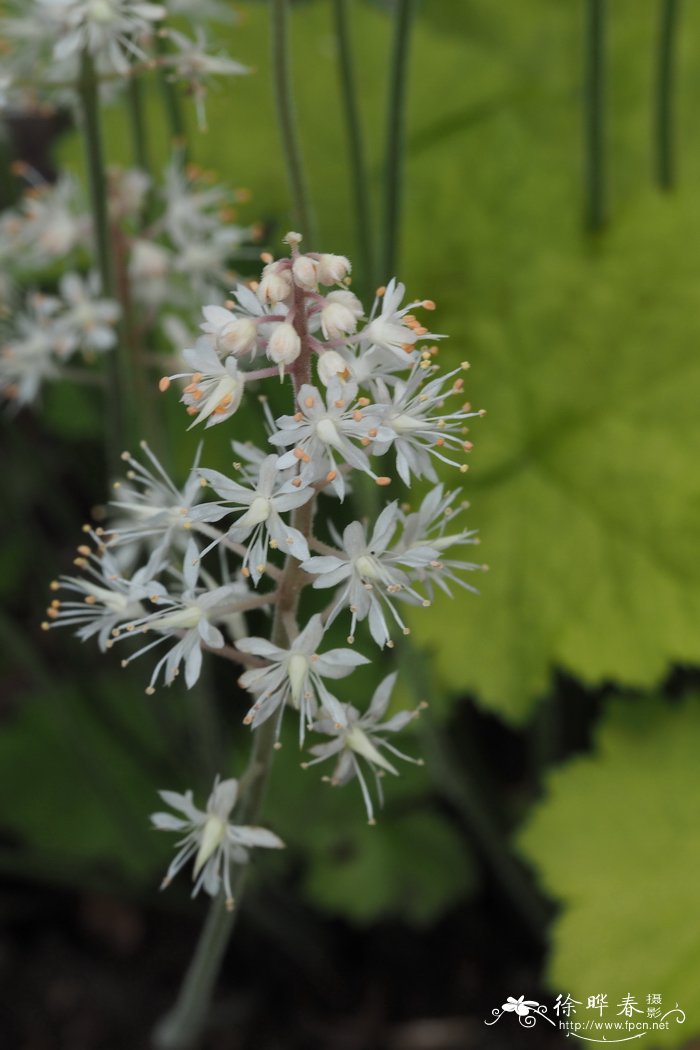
118,413
393,157
594,122
665,115
284,97
358,168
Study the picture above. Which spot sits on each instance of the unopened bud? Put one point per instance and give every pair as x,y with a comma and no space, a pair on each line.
305,272
275,285
332,269
284,345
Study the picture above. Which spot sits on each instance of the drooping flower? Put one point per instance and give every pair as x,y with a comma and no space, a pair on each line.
295,676
215,843
215,387
187,619
361,736
108,598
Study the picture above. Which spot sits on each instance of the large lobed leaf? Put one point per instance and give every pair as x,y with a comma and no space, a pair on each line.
616,842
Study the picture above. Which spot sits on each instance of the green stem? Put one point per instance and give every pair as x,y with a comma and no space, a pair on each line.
286,115
94,153
118,399
172,103
668,32
393,160
182,1026
358,168
594,130
138,125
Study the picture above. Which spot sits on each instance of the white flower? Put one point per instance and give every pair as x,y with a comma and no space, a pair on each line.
270,495
192,64
105,28
215,387
88,322
372,577
426,528
32,350
204,262
50,223
127,192
393,328
188,619
362,737
108,598
151,508
321,432
231,334
331,367
192,208
149,268
210,838
295,676
414,422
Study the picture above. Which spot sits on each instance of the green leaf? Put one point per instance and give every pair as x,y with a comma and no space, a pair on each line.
616,841
80,790
413,864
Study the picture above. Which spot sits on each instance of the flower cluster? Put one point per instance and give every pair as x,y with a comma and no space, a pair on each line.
185,252
52,38
38,341
195,569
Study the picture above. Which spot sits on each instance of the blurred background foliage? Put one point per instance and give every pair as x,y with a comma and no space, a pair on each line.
584,487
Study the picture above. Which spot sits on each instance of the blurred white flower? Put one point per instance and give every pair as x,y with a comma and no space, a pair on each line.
210,838
358,737
191,63
107,29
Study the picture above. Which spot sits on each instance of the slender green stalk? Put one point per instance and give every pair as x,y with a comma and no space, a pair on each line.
668,34
594,123
358,167
172,103
393,160
182,1026
117,412
281,72
139,138
94,154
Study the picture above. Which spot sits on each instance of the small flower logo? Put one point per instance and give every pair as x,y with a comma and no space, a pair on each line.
520,1006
